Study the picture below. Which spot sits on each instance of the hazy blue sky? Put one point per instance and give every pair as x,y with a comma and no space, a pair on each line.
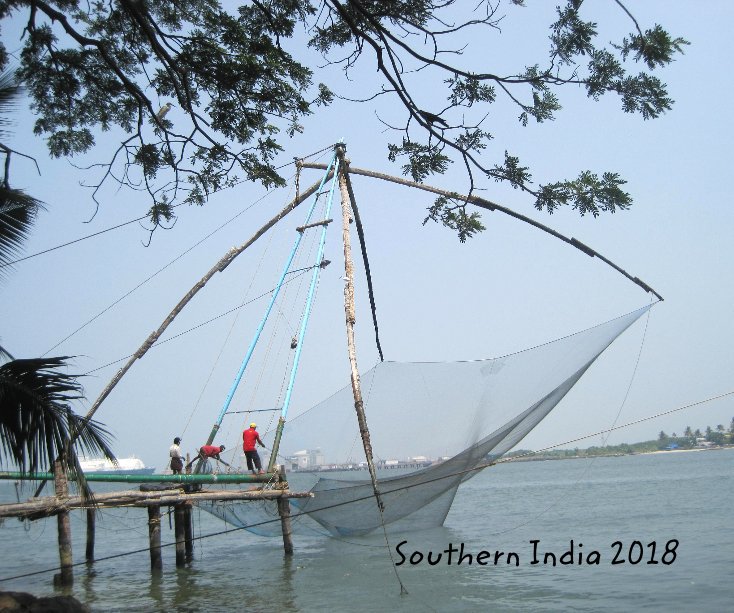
509,288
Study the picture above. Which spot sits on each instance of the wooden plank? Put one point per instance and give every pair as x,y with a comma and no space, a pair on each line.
51,505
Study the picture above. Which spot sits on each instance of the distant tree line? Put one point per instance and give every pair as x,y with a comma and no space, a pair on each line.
718,435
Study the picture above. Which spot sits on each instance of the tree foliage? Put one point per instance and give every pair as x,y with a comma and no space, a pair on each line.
240,80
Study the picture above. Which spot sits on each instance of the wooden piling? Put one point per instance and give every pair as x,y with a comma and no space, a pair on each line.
178,525
284,510
154,537
66,561
188,532
91,521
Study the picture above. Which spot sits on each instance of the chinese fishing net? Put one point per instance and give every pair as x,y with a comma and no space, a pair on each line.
463,412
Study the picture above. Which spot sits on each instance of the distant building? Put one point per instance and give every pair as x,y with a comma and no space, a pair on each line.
307,459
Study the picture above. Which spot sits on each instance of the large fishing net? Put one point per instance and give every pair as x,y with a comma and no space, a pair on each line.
431,426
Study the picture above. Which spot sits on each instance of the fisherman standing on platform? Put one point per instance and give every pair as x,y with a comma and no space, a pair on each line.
249,439
176,458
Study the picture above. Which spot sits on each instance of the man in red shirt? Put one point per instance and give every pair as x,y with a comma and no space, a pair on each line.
209,451
250,438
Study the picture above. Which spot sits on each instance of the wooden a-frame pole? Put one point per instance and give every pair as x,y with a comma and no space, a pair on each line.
350,321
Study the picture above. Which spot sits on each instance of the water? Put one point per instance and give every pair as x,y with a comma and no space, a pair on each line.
648,499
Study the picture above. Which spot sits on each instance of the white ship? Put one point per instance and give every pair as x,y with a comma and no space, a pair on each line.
125,466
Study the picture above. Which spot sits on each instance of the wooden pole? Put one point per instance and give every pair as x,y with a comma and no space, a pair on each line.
284,510
188,532
178,524
349,312
66,576
154,537
91,521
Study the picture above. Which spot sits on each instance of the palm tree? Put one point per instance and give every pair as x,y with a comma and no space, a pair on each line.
37,424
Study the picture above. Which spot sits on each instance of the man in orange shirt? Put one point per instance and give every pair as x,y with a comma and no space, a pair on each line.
250,438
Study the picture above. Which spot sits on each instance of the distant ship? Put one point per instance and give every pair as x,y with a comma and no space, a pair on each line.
125,466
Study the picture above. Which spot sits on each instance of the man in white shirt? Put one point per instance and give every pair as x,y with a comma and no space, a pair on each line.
176,458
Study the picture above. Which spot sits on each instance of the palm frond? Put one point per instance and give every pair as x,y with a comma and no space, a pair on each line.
37,424
5,354
17,213
10,91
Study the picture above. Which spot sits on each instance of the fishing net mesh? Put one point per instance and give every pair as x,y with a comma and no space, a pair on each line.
447,419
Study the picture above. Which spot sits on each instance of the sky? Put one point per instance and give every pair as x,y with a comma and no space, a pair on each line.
509,288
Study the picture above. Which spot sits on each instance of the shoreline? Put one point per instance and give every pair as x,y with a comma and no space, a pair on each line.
613,455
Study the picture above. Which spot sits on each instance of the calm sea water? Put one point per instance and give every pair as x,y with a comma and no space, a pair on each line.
634,507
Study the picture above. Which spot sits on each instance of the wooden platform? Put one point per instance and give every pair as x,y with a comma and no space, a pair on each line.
179,492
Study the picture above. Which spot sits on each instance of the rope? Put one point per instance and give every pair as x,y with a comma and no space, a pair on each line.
126,223
273,351
365,259
389,549
285,286
284,298
292,298
231,328
178,257
28,257
634,372
196,327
